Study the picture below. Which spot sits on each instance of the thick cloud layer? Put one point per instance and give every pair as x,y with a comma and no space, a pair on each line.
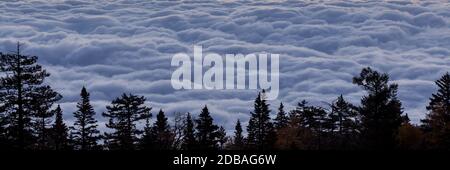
126,46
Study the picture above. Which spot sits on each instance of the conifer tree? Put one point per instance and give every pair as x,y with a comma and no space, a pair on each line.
380,109
189,141
306,116
344,123
344,117
206,131
282,119
309,122
160,135
123,114
20,77
297,116
238,139
436,125
261,134
60,131
42,113
146,142
84,131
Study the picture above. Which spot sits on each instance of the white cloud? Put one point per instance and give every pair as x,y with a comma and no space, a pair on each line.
126,46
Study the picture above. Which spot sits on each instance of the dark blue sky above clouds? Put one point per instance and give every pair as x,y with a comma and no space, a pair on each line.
120,46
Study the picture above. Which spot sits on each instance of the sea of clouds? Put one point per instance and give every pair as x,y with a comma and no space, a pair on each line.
116,46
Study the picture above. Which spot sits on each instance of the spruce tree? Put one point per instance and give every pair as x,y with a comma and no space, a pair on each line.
297,117
84,131
310,124
160,134
344,117
282,119
20,77
206,131
60,132
344,123
380,109
146,142
261,134
42,113
123,114
238,139
189,141
436,125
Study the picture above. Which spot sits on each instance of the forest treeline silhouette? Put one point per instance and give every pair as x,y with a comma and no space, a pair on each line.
31,119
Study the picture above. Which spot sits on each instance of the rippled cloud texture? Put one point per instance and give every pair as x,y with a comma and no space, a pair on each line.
115,46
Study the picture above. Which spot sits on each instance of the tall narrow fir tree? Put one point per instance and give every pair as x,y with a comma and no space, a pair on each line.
84,131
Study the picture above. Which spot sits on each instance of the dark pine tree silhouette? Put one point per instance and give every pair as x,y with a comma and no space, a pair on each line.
436,125
161,137
206,131
20,77
381,111
261,134
60,132
42,113
309,123
84,133
146,142
282,120
298,117
123,114
344,116
238,139
344,124
189,141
